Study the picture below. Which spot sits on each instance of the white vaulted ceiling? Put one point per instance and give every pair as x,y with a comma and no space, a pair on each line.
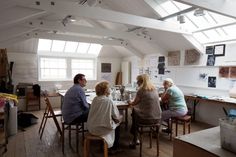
129,27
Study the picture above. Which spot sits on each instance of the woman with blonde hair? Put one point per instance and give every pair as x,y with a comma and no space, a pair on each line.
146,106
104,118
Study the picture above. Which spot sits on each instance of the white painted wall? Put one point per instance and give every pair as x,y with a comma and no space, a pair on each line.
205,111
25,70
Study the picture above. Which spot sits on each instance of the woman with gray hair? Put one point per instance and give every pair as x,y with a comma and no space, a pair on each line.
174,97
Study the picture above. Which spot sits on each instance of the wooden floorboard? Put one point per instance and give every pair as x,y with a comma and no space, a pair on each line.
28,144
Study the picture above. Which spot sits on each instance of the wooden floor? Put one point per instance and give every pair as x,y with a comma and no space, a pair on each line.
27,143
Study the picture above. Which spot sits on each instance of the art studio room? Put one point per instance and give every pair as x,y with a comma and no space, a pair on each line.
135,78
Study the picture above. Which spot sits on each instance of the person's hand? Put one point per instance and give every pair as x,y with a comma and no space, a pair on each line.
129,103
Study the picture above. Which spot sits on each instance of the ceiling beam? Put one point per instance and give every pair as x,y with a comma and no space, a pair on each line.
12,32
74,38
15,16
6,43
85,39
58,26
224,7
71,8
133,50
178,13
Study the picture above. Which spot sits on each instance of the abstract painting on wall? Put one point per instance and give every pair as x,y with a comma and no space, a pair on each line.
173,58
224,72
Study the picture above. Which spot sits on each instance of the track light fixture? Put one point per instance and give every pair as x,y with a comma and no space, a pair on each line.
199,12
181,19
68,19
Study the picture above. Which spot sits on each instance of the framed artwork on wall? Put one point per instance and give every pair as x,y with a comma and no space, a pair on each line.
219,50
210,60
105,67
209,50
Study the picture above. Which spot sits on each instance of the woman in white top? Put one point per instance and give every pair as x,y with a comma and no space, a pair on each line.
104,116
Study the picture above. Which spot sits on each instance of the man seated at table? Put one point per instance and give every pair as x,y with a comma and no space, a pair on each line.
104,117
75,107
174,97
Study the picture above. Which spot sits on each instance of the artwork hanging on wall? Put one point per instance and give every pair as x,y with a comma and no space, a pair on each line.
161,71
210,60
203,76
210,50
105,67
212,81
219,50
174,58
161,59
224,72
192,57
232,73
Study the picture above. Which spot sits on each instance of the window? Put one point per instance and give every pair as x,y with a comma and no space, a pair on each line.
52,68
58,46
71,46
64,59
83,47
211,27
84,66
44,45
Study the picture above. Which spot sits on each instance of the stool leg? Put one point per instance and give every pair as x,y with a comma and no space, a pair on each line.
189,126
150,138
141,141
86,148
77,138
62,140
176,127
82,131
157,140
105,149
69,134
171,127
184,128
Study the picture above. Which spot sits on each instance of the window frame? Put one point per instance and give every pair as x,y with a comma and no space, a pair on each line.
68,56
69,76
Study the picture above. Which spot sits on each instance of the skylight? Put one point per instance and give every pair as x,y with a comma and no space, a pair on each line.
69,47
44,45
211,27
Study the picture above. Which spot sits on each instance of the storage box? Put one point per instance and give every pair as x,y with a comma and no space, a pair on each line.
228,133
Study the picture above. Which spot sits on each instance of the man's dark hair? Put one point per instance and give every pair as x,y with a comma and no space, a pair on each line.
78,77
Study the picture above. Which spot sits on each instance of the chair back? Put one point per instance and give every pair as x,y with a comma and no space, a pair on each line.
49,108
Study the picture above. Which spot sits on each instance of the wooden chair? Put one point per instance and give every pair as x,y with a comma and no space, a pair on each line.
49,113
184,120
149,128
78,127
91,137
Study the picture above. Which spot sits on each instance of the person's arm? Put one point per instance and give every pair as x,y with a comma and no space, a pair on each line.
165,97
83,98
116,117
136,99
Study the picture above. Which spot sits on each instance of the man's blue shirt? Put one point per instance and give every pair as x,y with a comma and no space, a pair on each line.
74,103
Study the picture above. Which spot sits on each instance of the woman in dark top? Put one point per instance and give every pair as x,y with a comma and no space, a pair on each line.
146,106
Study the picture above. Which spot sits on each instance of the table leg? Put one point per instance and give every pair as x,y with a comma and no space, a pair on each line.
195,102
126,119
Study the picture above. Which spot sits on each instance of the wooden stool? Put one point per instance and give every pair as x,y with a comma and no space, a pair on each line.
90,137
79,128
184,120
149,128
